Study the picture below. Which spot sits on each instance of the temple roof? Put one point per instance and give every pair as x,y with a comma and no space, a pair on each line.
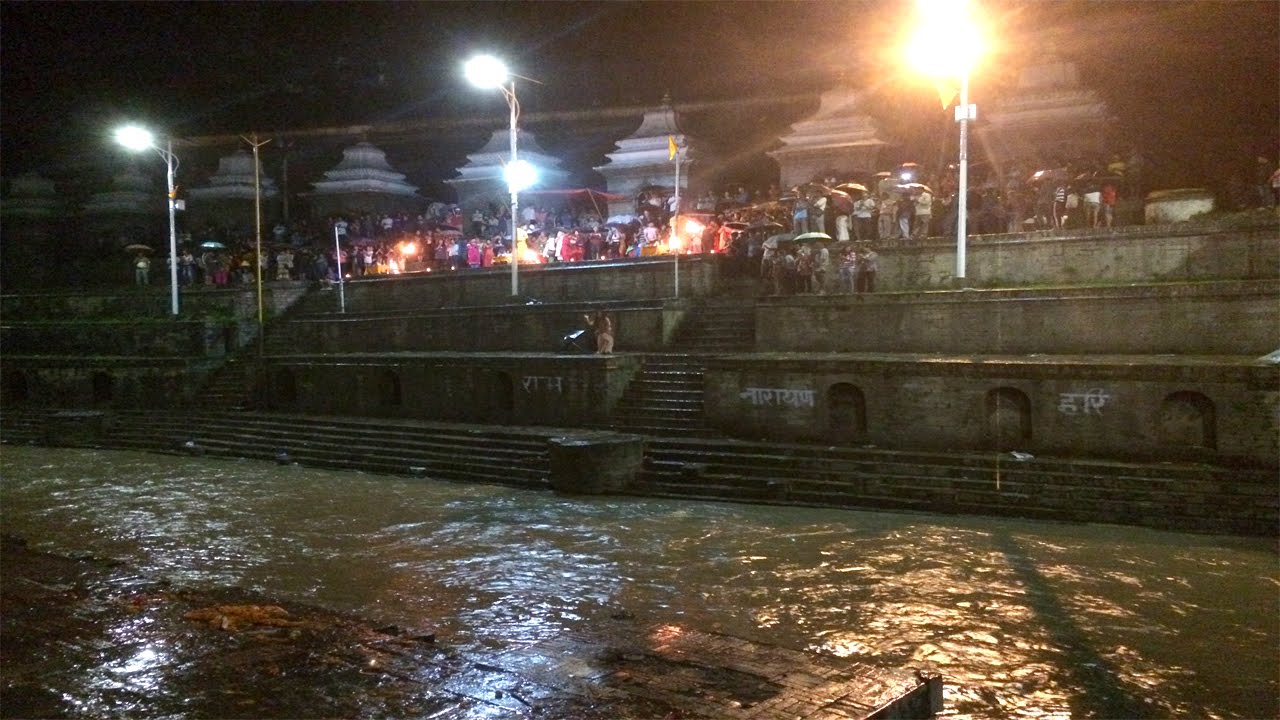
363,168
235,179
131,192
487,162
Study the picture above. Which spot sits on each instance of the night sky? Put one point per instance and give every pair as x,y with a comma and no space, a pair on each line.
1196,85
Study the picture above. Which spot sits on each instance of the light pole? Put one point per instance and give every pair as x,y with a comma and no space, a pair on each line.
257,225
945,47
137,139
488,72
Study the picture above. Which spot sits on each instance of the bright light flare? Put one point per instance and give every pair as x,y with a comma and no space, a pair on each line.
948,42
408,249
135,138
529,255
485,71
520,175
693,227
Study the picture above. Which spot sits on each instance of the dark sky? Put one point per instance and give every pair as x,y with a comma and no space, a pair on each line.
1196,83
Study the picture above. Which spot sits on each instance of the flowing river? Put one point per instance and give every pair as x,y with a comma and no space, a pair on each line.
1024,619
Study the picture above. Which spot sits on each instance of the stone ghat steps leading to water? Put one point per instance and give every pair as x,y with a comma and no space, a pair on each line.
417,449
1193,497
665,397
1185,497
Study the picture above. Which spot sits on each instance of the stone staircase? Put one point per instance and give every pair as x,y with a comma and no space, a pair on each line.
228,386
494,455
1044,488
719,325
664,398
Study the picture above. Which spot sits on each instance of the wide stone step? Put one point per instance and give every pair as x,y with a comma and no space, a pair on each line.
383,427
300,442
394,465
313,435
669,391
832,462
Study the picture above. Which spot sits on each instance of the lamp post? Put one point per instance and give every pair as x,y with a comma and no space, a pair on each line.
257,225
488,72
946,46
137,139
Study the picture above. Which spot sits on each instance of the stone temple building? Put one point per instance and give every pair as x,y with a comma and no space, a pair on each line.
1047,118
133,208
481,180
229,196
643,159
838,137
363,182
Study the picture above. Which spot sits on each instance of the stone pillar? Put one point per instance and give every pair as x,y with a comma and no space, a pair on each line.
595,464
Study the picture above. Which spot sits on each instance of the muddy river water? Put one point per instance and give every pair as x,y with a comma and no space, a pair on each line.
1024,619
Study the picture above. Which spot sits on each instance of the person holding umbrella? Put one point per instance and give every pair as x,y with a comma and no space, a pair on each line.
141,269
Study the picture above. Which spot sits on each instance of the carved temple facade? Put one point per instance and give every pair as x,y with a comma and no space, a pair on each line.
838,139
1049,116
643,160
481,180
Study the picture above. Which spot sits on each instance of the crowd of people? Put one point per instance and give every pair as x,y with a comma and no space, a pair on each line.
850,215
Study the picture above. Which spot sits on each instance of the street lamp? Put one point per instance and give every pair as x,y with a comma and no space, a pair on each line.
488,72
138,139
945,47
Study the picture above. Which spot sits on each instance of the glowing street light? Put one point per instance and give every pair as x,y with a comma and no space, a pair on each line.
488,72
947,45
520,175
139,139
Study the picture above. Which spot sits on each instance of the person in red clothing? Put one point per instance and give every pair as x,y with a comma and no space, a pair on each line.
1108,203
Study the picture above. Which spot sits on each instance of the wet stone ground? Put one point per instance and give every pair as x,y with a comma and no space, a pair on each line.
86,638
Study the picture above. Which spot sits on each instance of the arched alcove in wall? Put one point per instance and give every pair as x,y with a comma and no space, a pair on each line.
1008,419
103,387
1187,420
846,411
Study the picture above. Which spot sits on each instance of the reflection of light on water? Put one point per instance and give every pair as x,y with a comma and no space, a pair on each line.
494,567
144,659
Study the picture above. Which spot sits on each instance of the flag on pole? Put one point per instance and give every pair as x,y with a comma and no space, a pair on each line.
671,147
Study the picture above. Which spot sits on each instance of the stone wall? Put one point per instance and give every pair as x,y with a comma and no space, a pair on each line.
1109,408
1185,251
531,328
76,382
510,388
647,279
239,302
1212,318
153,338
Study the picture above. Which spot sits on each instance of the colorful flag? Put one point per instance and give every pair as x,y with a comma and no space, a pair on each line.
671,147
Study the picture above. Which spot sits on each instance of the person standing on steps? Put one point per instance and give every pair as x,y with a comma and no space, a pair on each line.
141,270
868,266
603,328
